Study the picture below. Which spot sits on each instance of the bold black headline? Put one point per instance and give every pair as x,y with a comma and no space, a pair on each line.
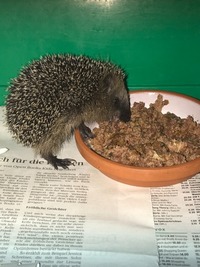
34,161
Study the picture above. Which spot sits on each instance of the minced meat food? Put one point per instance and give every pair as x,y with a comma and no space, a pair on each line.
150,139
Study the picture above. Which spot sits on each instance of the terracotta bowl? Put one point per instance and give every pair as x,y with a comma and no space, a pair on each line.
179,104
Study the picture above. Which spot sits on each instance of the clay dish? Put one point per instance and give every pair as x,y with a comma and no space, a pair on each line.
179,104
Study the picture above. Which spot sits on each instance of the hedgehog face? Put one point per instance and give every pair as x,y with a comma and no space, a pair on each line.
117,98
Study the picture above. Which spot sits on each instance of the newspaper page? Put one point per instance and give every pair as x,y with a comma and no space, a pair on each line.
70,218
176,211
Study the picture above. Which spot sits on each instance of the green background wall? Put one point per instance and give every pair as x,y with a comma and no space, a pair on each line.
156,42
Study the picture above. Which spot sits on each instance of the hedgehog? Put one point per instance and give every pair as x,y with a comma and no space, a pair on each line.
59,93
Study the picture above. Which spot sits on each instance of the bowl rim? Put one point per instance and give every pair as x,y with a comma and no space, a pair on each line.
95,156
187,97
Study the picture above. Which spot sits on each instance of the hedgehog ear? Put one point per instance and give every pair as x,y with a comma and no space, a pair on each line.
107,82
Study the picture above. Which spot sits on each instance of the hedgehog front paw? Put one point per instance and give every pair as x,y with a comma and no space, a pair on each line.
56,162
85,131
64,163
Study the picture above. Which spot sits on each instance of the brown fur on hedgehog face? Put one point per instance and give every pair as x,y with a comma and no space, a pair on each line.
113,101
117,91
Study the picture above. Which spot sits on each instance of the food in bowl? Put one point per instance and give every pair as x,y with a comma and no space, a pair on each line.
150,139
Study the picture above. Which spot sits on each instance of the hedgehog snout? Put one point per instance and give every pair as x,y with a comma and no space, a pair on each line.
125,115
124,111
